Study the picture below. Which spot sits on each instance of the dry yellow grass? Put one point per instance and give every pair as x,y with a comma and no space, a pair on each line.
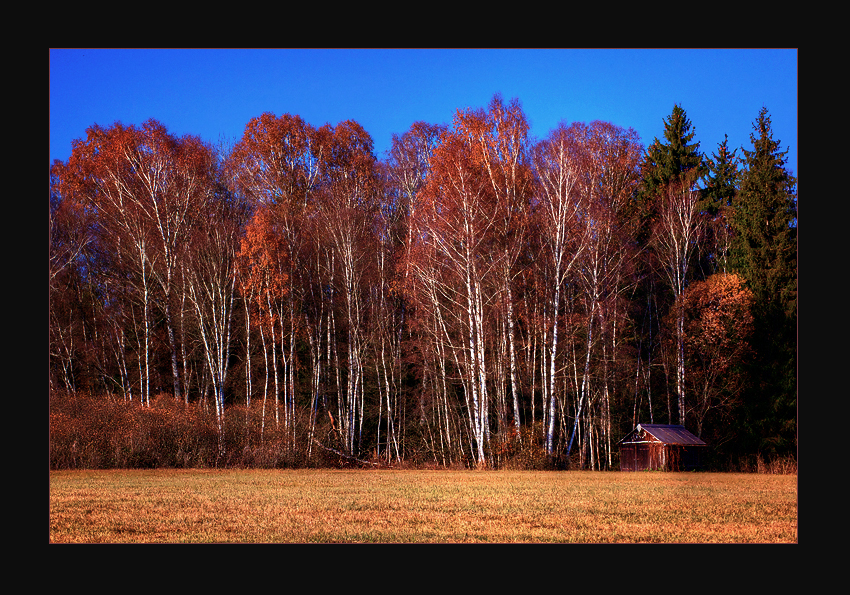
265,506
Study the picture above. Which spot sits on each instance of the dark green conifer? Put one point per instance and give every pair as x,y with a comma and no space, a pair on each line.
721,179
674,160
764,249
764,252
720,189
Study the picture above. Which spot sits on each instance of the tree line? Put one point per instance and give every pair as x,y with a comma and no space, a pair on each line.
476,298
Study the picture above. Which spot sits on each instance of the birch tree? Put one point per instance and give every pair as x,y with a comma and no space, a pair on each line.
274,166
500,136
175,176
408,167
100,177
346,205
669,174
455,226
559,165
676,235
143,187
611,156
212,290
407,171
70,240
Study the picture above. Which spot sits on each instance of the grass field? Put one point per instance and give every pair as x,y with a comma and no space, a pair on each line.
322,506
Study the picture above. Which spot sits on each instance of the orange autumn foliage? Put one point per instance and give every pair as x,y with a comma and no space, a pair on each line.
718,320
718,323
264,262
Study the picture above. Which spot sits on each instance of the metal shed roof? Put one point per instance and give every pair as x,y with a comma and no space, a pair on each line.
664,433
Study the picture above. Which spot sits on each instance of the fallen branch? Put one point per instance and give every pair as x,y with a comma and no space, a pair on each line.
345,456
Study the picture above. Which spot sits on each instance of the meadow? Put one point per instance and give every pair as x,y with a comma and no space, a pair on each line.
413,506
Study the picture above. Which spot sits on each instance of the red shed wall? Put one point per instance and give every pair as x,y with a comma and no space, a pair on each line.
655,456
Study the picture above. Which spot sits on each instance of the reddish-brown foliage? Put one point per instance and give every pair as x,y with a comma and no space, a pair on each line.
717,326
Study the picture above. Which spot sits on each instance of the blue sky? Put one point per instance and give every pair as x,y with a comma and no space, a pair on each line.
213,93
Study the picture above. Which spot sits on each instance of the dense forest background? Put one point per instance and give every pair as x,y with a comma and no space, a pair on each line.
476,299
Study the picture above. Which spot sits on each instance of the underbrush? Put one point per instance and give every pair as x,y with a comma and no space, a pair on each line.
102,433
779,465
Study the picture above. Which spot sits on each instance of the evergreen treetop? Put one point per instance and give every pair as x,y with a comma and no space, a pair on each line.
669,161
764,249
675,160
721,180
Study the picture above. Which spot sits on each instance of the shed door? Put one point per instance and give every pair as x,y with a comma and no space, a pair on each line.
642,457
627,458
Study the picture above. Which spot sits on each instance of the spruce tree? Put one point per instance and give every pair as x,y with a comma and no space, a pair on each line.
669,225
764,252
764,249
668,161
671,162
720,189
721,179
665,162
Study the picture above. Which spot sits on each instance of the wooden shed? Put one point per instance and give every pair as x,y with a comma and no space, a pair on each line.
660,448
